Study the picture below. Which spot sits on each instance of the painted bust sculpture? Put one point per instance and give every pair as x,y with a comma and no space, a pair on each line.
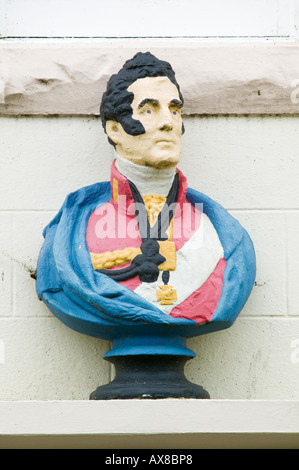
143,260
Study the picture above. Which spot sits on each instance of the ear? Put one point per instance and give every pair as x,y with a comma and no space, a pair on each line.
114,131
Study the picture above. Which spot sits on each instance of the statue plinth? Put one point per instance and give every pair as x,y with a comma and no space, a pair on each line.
149,367
149,377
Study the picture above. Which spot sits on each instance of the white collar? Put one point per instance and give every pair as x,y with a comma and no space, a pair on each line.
147,180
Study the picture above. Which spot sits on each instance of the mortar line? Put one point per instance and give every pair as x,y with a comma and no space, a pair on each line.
13,238
287,266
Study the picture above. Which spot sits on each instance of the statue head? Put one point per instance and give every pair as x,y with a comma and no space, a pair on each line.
141,112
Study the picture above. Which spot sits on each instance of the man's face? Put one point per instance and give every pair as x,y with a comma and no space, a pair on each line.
157,106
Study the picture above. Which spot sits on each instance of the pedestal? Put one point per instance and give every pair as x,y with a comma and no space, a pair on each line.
149,377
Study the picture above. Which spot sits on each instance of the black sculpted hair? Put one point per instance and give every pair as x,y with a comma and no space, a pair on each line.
117,100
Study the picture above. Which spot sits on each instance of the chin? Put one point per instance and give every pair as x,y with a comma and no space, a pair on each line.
164,162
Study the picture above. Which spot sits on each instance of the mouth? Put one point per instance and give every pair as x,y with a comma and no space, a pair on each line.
165,141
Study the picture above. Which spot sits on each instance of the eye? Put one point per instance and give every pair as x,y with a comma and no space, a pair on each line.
148,111
174,112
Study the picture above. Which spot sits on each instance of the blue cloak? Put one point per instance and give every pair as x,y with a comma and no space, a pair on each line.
93,304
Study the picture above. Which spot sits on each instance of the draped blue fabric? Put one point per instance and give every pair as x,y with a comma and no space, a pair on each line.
93,304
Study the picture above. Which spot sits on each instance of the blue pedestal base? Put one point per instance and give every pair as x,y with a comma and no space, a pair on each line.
149,345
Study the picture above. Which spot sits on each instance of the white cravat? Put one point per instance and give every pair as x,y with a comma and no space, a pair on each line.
147,180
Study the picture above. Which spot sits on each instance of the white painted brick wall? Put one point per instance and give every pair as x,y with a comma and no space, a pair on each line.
249,164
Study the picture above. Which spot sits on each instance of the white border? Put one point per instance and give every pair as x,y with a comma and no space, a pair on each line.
119,423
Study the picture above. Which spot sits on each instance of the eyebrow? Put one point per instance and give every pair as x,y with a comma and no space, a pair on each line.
152,100
147,100
177,102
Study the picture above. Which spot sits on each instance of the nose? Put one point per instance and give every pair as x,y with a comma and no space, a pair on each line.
166,119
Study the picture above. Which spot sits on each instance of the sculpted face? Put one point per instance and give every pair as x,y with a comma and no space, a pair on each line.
158,107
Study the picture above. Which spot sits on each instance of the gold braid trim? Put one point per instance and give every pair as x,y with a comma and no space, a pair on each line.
109,259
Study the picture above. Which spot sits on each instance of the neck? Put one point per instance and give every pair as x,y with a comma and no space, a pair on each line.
147,180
